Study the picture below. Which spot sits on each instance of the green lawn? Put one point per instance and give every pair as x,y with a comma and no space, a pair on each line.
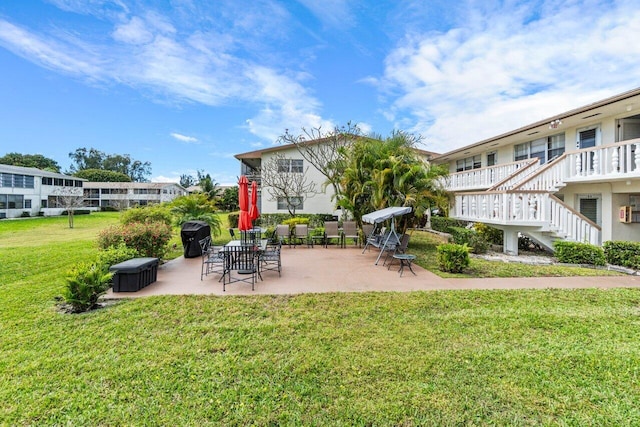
549,357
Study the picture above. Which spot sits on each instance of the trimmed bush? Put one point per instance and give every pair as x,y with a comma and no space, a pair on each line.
116,254
471,238
153,213
443,224
578,253
233,219
150,239
85,284
625,254
453,258
490,234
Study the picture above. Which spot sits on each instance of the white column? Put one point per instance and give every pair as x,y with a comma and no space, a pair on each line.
510,241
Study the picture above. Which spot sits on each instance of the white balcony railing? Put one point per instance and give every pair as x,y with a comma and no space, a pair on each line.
483,178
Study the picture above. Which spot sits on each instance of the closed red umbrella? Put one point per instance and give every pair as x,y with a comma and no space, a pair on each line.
253,209
244,222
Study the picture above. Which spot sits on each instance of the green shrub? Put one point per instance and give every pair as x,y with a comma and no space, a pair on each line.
233,219
490,234
116,254
471,238
453,258
291,222
85,284
443,224
25,214
578,253
623,253
152,213
150,239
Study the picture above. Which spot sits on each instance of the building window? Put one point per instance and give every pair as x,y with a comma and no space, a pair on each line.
469,163
16,181
290,165
544,149
43,203
92,193
588,137
296,202
15,201
58,181
492,158
47,181
3,201
27,204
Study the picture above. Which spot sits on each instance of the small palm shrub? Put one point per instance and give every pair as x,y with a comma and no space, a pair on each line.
85,283
196,207
453,258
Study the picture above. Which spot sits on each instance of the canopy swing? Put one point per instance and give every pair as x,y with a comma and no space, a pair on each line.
390,239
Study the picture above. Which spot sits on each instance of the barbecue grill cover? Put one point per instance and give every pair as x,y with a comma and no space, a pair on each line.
191,233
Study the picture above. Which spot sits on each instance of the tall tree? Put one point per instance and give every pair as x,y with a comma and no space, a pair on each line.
95,159
30,161
187,181
387,173
282,183
229,200
100,175
208,186
324,150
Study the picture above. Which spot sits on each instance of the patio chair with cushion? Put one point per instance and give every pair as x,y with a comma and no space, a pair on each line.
212,258
331,231
350,231
301,234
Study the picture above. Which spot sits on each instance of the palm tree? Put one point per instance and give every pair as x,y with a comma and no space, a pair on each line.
196,206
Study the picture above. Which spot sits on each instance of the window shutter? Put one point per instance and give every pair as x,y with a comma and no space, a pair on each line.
589,208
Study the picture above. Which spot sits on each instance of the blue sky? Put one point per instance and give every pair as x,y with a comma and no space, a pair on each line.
186,84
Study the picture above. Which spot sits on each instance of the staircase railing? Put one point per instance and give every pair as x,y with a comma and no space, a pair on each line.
527,208
483,178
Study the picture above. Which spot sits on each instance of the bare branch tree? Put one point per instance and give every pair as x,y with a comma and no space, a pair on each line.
69,199
281,181
324,150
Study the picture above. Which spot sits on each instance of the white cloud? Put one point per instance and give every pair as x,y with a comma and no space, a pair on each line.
175,59
162,178
510,67
183,138
332,13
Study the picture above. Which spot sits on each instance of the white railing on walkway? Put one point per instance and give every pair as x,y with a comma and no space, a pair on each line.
526,208
483,178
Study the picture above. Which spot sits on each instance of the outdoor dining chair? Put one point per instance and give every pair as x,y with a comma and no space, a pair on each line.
212,258
400,248
271,259
241,264
350,231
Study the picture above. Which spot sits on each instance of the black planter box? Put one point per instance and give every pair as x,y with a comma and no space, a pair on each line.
134,274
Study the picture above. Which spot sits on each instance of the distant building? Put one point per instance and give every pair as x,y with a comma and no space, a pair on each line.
33,192
122,195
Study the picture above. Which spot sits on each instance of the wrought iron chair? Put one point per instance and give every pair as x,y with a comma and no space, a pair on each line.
270,258
241,264
212,258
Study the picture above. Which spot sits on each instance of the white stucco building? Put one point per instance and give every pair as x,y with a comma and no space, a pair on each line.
122,195
32,192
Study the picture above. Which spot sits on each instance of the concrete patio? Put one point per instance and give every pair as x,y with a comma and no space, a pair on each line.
333,269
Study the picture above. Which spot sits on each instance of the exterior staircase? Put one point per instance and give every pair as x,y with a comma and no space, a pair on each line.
521,194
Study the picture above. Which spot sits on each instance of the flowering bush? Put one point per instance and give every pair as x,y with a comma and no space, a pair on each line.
150,239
